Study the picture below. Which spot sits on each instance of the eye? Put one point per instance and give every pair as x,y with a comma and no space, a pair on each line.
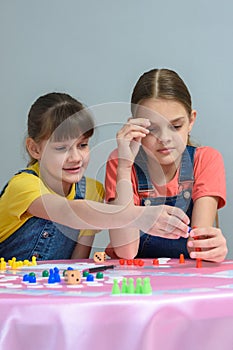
176,127
153,130
83,145
60,148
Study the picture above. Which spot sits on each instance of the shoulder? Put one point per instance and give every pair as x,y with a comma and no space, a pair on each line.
206,154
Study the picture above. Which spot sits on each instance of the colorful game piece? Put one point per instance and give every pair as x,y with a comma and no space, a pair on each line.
146,287
129,262
32,279
122,261
25,278
99,275
138,289
85,273
115,288
2,264
131,287
156,262
141,263
124,286
198,260
45,273
99,257
90,278
72,276
56,275
34,263
182,261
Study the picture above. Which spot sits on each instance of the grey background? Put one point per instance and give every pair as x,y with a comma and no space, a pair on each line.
96,50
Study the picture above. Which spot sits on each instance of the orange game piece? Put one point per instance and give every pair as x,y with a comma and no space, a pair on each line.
182,261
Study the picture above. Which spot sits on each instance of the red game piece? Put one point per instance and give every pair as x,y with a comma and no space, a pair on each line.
135,262
155,262
129,262
122,261
140,263
198,263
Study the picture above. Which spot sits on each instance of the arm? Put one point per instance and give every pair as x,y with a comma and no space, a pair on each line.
209,194
83,247
211,240
169,222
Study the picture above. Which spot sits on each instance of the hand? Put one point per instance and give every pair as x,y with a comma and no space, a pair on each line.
129,139
165,221
211,243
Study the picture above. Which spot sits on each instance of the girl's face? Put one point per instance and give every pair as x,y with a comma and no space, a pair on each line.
63,163
169,129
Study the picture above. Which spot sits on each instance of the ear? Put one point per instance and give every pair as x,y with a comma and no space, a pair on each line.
192,119
33,148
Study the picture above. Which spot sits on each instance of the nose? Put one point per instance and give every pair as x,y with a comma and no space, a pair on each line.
163,136
75,154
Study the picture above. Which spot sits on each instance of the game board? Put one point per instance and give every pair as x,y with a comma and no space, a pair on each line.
166,277
184,306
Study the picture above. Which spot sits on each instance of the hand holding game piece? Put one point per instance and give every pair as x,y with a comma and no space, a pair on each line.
210,241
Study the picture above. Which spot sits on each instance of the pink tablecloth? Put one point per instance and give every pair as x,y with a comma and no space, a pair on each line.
189,308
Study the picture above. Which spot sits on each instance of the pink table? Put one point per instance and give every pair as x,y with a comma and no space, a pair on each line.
189,308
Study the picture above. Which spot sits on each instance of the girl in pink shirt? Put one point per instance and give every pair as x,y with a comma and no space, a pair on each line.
169,170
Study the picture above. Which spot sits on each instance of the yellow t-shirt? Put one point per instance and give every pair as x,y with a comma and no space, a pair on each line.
23,189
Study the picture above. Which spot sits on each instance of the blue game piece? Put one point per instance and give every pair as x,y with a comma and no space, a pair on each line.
51,278
32,279
56,270
90,278
69,268
25,278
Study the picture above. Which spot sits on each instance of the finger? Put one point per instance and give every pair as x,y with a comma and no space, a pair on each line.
178,213
139,121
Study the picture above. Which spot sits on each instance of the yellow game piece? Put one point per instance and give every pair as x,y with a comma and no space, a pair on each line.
34,263
2,264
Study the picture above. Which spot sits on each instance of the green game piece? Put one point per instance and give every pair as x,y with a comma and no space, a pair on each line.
138,289
115,287
32,274
99,275
124,286
45,273
85,273
131,286
146,288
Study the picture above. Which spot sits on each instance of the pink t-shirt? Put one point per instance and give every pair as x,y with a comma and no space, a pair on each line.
209,175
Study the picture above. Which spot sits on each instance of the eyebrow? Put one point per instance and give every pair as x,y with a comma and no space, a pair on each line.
178,119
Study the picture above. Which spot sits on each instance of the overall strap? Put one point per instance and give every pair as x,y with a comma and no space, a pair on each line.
143,178
29,171
80,189
186,168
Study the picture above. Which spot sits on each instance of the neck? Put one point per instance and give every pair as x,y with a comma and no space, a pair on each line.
162,174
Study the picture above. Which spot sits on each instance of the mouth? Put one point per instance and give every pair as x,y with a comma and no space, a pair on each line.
73,170
166,150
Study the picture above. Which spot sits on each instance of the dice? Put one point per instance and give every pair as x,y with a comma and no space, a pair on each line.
72,277
99,257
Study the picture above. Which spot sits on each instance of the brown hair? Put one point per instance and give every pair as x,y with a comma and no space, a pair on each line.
161,84
59,116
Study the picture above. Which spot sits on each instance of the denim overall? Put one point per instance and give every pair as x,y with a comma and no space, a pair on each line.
153,246
42,238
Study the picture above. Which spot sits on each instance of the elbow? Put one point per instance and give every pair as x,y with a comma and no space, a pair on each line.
125,253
